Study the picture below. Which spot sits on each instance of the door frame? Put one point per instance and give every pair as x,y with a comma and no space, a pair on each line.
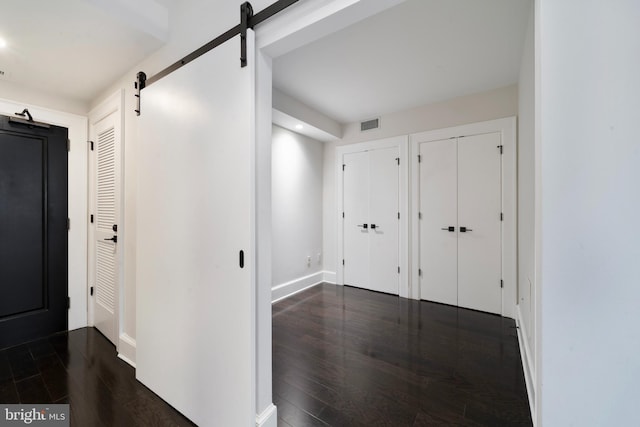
113,104
402,144
77,203
507,129
299,24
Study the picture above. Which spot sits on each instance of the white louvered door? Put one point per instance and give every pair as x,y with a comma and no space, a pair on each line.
106,200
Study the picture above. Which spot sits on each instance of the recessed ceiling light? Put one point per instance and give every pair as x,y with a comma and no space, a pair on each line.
299,126
3,43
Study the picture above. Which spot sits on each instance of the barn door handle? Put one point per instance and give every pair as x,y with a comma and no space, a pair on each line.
465,229
449,229
365,226
114,239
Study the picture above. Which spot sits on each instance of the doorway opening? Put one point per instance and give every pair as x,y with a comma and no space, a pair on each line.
34,295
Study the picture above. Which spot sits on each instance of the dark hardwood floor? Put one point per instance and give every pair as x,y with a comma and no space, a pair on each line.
81,368
344,356
341,356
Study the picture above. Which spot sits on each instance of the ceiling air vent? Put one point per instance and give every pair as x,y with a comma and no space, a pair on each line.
369,125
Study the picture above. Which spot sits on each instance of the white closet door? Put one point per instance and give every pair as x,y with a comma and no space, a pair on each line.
195,315
479,207
356,219
106,166
383,220
438,210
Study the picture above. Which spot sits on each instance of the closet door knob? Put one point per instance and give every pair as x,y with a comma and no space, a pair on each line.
465,229
365,226
449,229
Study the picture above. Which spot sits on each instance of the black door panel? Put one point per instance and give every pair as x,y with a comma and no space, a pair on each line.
33,232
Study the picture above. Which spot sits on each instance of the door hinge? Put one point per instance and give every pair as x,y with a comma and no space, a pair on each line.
501,283
91,218
343,166
342,214
419,158
68,302
342,262
398,270
501,147
90,145
398,215
68,224
419,215
68,145
91,291
501,216
420,272
398,160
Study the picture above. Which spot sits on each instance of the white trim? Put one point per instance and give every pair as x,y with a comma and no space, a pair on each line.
507,129
292,287
127,349
268,417
527,366
329,277
401,142
310,20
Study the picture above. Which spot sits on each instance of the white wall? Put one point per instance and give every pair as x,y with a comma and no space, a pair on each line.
590,175
479,107
526,199
473,108
19,93
77,126
297,215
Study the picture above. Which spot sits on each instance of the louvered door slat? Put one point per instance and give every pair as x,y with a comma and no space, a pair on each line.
106,194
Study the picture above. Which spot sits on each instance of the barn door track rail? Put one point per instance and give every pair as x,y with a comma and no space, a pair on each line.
247,21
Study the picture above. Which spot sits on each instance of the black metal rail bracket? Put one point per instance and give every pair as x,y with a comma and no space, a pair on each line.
140,83
246,13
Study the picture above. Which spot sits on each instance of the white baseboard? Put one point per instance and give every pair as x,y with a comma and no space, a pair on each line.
293,287
268,417
329,277
527,364
127,349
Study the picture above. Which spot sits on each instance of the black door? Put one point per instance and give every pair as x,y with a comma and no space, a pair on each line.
33,231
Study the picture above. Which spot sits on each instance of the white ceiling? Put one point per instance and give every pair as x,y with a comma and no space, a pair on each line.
77,48
414,54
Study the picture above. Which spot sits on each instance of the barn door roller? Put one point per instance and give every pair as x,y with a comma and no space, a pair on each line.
247,21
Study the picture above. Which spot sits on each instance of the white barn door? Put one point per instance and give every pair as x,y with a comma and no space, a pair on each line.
195,328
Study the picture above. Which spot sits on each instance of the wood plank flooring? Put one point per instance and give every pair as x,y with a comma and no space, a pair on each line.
344,356
81,368
341,356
